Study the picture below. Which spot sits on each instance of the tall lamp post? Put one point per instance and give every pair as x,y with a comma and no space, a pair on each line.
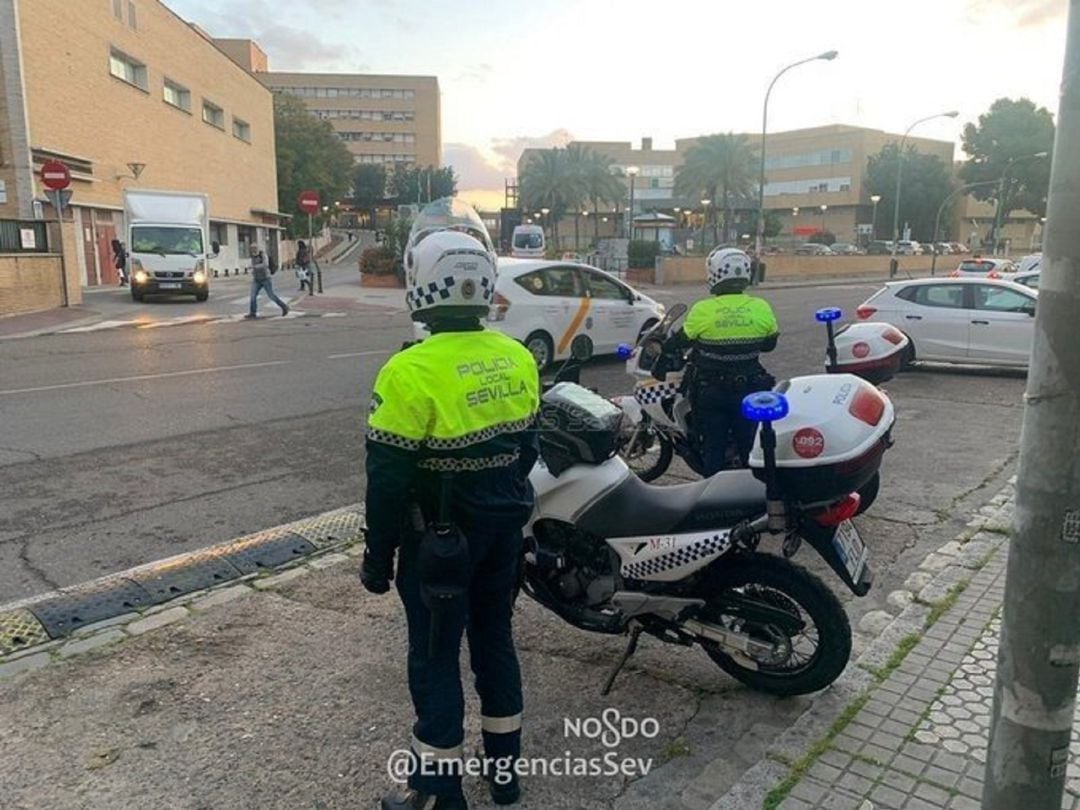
704,220
824,208
544,223
632,171
899,175
1001,193
759,241
941,208
875,199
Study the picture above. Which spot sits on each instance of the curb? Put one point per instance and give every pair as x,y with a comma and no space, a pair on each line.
928,593
92,614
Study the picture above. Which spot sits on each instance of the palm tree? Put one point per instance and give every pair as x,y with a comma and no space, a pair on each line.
599,183
718,165
549,180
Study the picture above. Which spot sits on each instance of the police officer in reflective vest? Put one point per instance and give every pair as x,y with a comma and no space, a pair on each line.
451,426
725,334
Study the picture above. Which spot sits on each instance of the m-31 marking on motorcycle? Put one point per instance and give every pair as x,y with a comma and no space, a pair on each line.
669,557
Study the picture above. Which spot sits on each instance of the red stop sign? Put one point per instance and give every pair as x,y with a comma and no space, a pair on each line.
55,175
308,201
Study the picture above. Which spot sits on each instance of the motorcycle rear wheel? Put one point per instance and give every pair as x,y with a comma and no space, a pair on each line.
805,663
649,452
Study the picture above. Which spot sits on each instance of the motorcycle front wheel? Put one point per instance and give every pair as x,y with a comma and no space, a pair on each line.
808,634
648,451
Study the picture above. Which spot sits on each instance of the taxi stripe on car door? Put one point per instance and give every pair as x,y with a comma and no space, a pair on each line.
568,335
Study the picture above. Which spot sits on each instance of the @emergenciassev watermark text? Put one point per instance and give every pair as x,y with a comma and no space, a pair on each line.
610,729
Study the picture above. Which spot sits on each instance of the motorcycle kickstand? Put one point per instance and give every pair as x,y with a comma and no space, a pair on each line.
631,648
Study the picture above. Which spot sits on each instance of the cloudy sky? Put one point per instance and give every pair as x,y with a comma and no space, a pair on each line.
514,73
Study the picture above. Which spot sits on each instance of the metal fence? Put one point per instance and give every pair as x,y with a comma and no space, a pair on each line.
23,236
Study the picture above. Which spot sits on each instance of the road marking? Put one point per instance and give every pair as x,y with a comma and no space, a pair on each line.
99,326
359,354
176,321
139,377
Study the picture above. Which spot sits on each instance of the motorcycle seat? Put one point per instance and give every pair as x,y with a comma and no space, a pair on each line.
635,508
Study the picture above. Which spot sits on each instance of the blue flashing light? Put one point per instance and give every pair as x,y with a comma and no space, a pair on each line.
623,351
829,314
765,406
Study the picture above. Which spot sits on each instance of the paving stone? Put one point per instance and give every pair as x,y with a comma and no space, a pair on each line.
791,803
809,791
932,794
220,597
887,797
875,622
970,787
855,783
88,643
265,583
917,581
27,663
328,560
900,781
157,620
899,599
950,549
940,776
90,629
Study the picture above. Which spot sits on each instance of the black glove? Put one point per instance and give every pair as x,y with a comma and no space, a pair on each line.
376,573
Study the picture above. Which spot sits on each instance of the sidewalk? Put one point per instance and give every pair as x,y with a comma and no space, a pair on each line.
45,321
915,736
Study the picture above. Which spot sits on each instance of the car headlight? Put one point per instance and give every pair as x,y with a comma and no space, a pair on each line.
141,276
199,277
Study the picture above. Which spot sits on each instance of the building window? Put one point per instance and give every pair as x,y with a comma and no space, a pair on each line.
213,114
118,9
241,129
177,95
219,232
127,69
132,20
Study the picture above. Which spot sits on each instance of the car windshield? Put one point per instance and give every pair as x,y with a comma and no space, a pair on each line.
528,240
166,240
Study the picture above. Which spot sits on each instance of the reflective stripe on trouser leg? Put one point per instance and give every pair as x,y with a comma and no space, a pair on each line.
501,725
437,767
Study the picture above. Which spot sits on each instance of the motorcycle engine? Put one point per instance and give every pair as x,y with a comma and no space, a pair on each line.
578,565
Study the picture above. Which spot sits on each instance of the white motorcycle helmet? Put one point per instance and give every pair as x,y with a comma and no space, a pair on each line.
727,266
449,273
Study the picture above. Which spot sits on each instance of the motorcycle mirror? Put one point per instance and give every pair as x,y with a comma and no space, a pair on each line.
623,351
581,348
828,314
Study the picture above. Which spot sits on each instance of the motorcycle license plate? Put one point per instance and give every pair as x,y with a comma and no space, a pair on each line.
170,285
851,548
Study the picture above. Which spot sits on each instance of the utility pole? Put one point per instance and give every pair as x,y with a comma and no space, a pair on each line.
1039,658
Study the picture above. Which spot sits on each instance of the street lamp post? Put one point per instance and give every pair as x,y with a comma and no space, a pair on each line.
893,264
1001,194
759,242
632,171
875,199
544,222
704,220
941,208
824,208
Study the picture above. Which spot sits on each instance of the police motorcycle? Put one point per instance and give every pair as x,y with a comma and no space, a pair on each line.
688,564
658,412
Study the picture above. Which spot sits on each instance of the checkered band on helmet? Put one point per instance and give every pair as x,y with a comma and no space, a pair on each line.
652,394
727,264
687,555
428,294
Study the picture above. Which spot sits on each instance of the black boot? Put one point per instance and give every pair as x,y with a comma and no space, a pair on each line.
505,788
415,800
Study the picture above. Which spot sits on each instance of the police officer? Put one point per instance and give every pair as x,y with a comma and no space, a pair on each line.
459,404
725,334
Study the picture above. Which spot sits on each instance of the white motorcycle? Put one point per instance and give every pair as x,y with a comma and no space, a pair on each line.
612,554
658,412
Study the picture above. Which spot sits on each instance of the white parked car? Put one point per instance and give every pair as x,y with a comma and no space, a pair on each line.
545,304
959,320
983,268
908,247
1032,262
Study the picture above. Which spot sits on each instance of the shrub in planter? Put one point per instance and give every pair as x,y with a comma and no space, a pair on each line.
378,261
822,238
642,255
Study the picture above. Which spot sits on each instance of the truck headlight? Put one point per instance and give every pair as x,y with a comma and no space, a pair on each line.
199,277
141,276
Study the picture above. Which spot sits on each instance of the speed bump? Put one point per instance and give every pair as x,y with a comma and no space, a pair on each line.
331,529
20,629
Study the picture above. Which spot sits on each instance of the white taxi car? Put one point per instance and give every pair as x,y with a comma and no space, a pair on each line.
959,320
546,303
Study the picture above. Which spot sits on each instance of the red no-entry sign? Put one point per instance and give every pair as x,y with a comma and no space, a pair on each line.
55,175
308,201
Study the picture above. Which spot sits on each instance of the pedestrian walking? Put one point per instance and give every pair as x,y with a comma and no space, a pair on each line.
120,260
260,280
303,267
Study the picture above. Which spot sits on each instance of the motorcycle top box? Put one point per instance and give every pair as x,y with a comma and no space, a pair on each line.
873,351
577,427
832,439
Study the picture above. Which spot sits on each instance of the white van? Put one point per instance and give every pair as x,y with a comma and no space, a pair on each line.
527,242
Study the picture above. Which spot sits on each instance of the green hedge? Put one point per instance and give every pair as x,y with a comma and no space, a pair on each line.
642,255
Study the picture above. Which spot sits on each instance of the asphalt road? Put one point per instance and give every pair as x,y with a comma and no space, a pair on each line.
123,446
